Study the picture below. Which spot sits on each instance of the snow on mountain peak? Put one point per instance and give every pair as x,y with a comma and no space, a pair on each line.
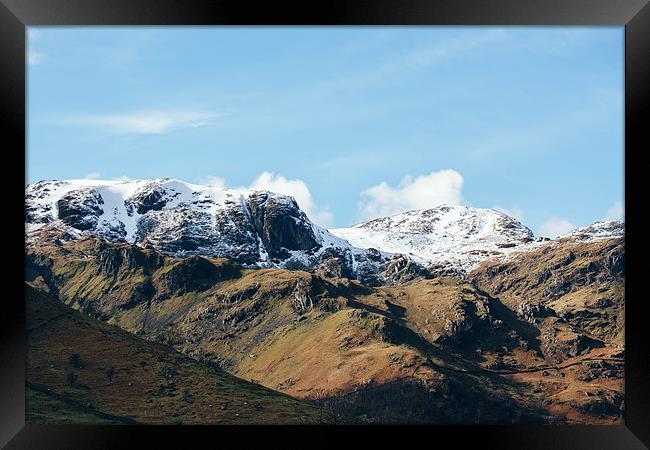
127,201
256,228
265,229
458,237
598,230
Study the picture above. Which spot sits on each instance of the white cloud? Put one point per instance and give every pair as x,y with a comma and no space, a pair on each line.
616,212
515,212
555,227
426,191
92,176
145,122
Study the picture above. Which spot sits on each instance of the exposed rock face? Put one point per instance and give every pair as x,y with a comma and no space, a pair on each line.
180,232
462,320
599,230
600,370
333,267
195,274
80,210
111,259
236,234
444,270
615,262
533,313
602,403
301,296
151,198
281,224
38,208
402,270
560,341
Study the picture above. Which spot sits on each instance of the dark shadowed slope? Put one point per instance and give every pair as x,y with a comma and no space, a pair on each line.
80,370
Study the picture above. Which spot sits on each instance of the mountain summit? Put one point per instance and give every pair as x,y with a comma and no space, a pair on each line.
459,237
260,229
253,228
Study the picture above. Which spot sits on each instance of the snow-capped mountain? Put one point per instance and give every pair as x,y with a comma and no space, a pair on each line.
458,238
596,231
257,228
264,229
446,237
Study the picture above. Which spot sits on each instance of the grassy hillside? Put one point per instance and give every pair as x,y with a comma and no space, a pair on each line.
122,379
584,283
446,350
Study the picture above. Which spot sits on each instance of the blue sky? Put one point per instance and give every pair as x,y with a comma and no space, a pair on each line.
355,122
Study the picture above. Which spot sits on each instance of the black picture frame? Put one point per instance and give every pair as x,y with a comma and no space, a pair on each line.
15,15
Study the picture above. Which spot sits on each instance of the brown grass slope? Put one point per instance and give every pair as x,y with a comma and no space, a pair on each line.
122,379
572,293
437,351
581,284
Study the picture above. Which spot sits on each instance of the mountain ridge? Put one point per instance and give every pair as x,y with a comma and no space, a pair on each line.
263,229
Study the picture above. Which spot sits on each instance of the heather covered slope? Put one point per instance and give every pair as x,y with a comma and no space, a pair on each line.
443,350
119,378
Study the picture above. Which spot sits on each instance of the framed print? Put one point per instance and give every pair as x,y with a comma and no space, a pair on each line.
381,219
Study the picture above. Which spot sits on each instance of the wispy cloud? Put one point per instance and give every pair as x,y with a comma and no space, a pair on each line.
92,176
549,131
144,122
417,59
559,42
453,48
616,212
